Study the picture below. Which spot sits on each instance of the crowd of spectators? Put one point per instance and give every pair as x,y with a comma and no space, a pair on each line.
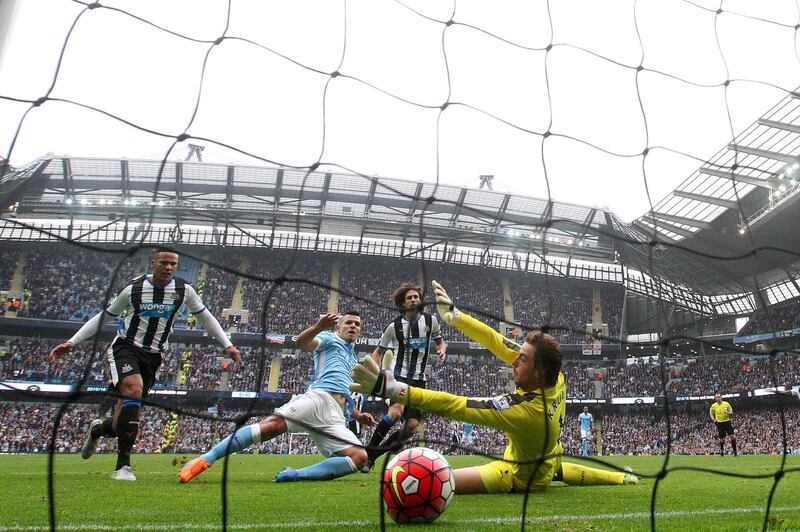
565,306
479,294
296,373
470,376
216,286
641,379
27,428
63,281
579,379
374,279
26,359
292,305
66,283
8,265
781,317
645,432
734,374
182,367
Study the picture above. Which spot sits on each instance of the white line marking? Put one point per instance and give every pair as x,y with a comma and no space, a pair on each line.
479,521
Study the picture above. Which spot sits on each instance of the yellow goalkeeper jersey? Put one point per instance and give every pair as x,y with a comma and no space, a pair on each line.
721,411
531,422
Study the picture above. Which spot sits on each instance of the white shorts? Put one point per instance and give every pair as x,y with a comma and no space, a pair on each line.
318,414
586,434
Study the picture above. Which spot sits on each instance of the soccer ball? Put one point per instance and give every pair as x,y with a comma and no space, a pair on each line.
418,484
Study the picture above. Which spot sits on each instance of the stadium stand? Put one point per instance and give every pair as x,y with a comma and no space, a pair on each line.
25,359
293,306
69,284
8,265
780,317
25,428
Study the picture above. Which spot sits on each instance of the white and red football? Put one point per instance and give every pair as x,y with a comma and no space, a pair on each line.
418,485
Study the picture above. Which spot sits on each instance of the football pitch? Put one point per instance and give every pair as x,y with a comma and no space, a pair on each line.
87,499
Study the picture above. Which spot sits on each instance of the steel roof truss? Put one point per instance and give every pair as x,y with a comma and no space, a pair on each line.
726,203
726,174
680,220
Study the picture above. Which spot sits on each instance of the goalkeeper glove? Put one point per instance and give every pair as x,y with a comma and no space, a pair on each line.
444,305
368,378
388,358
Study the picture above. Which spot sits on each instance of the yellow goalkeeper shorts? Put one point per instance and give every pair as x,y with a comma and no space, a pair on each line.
497,476
503,477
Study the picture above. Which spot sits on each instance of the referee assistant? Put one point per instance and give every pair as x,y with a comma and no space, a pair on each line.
720,413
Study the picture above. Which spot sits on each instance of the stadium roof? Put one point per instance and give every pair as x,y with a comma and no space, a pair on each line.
700,236
321,203
744,197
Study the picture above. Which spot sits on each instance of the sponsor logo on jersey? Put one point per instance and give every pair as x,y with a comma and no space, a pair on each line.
127,368
156,310
501,403
419,342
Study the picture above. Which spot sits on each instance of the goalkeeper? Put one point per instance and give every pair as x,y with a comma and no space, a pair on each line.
531,417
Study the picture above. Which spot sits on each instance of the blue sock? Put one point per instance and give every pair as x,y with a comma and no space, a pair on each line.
334,467
242,438
585,447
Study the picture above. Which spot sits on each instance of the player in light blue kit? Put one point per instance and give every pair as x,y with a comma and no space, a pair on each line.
587,427
321,411
467,440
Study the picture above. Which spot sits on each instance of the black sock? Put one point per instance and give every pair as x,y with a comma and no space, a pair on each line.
733,442
722,448
127,428
398,438
106,428
383,428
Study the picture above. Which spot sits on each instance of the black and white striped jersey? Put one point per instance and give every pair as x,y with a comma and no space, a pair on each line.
147,312
411,343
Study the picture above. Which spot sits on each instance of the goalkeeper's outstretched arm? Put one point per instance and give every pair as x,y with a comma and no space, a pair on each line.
368,378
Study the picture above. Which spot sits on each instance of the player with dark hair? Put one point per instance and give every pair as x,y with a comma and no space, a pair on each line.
531,417
321,410
721,413
409,335
149,305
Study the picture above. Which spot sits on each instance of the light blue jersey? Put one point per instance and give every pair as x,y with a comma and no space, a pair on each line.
586,421
467,430
334,359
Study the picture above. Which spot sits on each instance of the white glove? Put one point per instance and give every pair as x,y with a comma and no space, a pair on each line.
369,379
388,358
444,305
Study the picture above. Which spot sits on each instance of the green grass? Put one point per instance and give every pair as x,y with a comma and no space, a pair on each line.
87,498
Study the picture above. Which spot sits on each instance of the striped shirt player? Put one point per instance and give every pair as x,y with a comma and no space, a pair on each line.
146,309
410,339
410,336
358,403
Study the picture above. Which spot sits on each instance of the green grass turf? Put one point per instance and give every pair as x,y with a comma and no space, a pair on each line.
86,497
